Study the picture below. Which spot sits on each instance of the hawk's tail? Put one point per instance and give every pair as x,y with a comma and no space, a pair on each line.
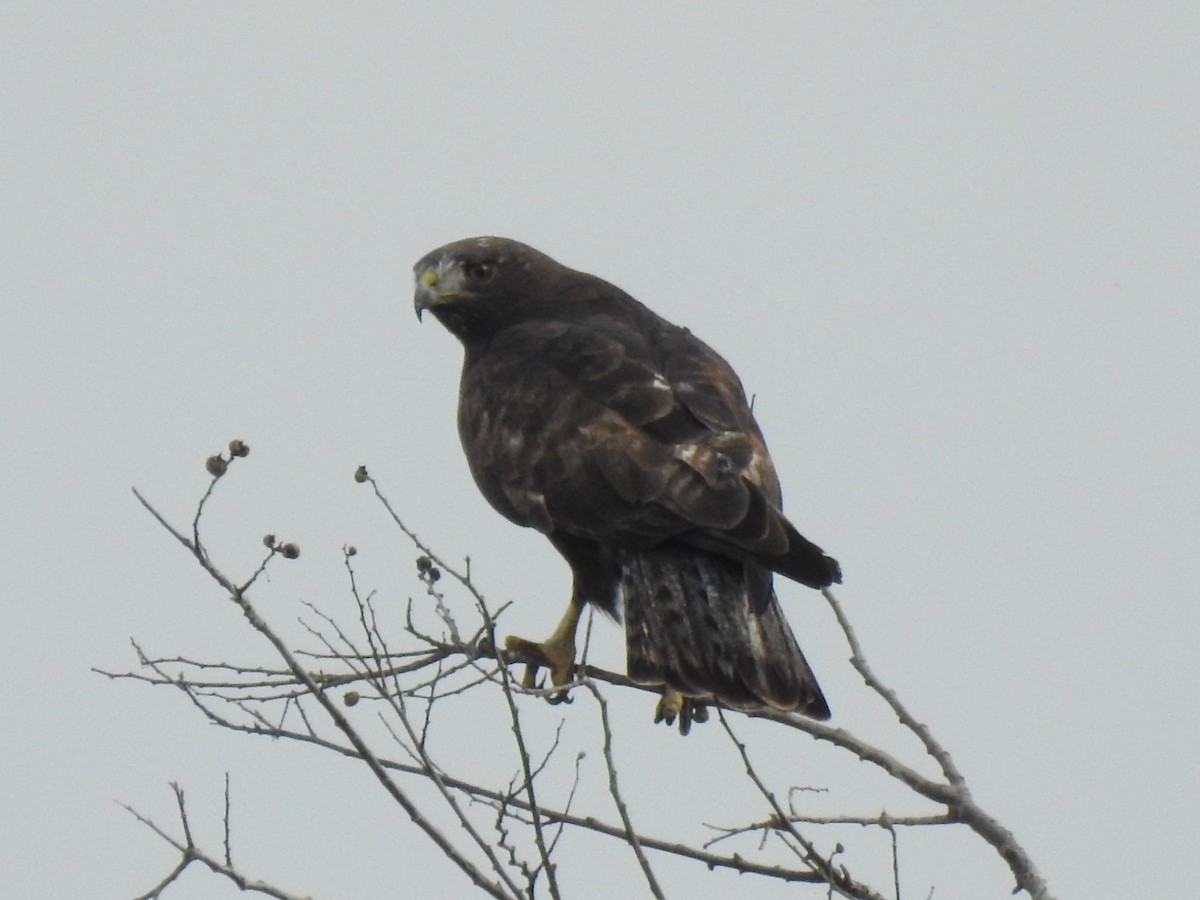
691,625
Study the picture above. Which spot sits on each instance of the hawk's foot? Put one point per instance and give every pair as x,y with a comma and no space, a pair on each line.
556,654
688,709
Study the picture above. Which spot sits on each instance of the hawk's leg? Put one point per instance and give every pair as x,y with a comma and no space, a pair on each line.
556,653
688,709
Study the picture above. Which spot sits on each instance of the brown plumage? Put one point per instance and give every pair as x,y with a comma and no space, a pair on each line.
629,443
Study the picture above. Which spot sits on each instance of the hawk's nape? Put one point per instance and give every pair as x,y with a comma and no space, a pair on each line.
630,444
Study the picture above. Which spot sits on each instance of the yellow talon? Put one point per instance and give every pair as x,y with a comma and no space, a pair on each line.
688,709
556,653
668,706
558,658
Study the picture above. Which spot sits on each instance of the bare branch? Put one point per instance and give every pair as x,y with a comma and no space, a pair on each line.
960,802
838,879
615,791
228,839
238,596
190,853
508,834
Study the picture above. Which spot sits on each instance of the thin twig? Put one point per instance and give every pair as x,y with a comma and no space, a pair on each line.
228,838
838,879
443,669
443,843
959,799
190,853
615,791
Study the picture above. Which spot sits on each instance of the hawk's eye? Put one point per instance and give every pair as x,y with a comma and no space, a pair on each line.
480,273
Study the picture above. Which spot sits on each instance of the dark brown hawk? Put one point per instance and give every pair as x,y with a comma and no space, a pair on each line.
629,443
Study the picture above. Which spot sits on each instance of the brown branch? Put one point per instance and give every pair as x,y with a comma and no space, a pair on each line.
523,753
859,662
959,800
190,853
883,820
838,879
444,669
615,791
368,757
481,792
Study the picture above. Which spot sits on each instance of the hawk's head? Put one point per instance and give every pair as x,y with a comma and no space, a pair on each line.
477,285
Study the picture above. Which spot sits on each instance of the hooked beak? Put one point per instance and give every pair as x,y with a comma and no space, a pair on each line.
437,285
426,293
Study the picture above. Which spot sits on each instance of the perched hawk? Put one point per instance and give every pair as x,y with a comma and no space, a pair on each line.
629,443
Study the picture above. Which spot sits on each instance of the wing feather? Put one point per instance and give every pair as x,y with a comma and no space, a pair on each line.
655,413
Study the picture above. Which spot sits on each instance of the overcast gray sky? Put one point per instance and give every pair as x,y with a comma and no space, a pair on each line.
952,248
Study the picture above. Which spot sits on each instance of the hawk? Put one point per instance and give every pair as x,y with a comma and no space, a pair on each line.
630,444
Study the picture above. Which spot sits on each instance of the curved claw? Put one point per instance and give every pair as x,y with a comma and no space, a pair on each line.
688,710
556,653
558,656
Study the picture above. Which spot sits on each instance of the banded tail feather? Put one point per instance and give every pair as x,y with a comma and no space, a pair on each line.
694,623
